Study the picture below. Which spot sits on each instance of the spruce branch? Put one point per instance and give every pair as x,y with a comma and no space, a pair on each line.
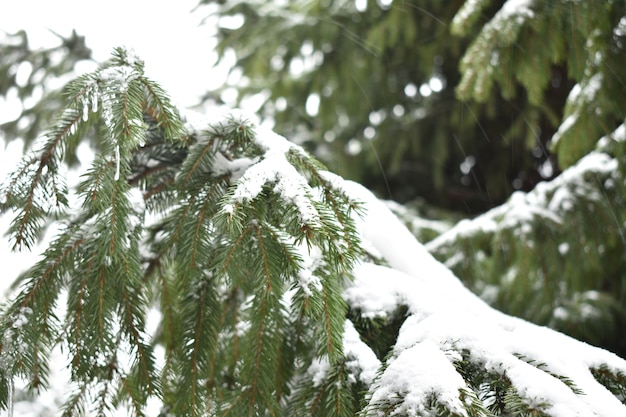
28,189
198,311
96,254
133,327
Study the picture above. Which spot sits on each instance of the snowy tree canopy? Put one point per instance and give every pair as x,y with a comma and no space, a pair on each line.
458,103
515,108
270,277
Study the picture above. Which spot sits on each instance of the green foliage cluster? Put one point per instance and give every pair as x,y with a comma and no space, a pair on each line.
519,78
243,245
521,46
392,113
94,261
555,255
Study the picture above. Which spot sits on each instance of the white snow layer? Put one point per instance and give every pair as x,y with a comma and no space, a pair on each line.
520,9
516,7
618,135
415,374
469,7
446,319
361,359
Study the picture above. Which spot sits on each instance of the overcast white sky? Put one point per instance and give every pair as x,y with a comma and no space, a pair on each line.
165,34
177,50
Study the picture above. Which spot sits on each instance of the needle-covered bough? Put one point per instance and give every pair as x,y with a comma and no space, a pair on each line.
278,287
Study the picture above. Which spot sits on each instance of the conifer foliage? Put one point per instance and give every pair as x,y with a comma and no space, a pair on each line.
280,288
246,260
533,92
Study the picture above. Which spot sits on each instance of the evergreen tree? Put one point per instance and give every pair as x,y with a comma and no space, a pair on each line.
282,289
385,75
562,245
554,255
529,88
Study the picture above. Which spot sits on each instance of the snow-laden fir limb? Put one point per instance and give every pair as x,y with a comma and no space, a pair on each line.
545,234
271,277
253,211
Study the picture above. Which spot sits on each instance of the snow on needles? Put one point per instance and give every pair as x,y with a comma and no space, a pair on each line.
273,168
417,380
517,7
288,183
584,92
447,323
521,9
517,10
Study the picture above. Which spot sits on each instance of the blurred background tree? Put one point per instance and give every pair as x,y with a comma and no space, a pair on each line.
32,79
370,86
447,108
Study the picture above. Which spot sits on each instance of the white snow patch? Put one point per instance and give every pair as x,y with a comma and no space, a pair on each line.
22,317
253,174
132,59
560,313
446,320
620,28
235,168
291,186
117,161
119,76
312,258
374,297
584,92
416,380
618,135
469,7
361,360
136,200
318,370
273,167
516,7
